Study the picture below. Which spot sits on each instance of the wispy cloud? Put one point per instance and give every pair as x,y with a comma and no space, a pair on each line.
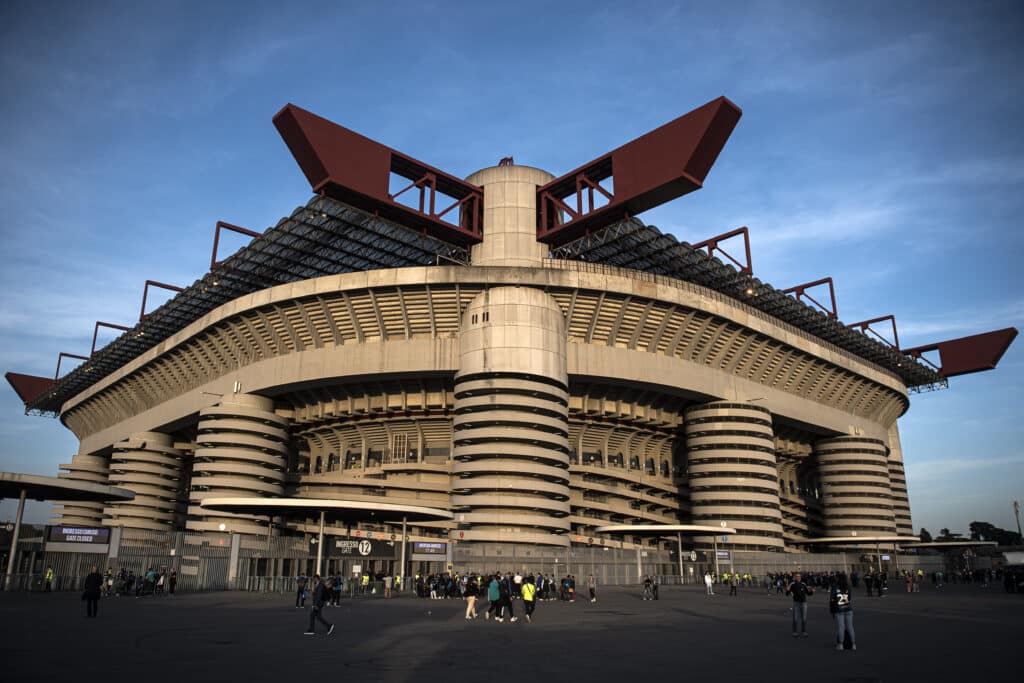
947,469
961,322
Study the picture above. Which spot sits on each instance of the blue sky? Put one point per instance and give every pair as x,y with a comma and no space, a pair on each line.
880,145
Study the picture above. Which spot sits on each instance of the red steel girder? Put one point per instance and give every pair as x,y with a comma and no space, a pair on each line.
29,387
658,167
145,294
357,170
965,355
714,244
221,225
96,331
61,356
865,327
801,292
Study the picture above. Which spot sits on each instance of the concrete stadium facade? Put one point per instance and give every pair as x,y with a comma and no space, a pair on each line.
535,398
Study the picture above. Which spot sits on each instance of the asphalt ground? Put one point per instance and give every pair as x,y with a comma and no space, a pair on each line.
957,634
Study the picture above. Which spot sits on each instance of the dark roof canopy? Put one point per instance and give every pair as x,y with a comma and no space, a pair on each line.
324,237
336,510
631,244
53,488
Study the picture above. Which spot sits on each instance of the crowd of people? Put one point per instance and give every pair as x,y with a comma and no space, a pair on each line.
502,590
150,582
453,586
499,589
124,582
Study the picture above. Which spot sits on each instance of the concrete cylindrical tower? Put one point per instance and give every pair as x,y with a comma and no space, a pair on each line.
241,450
510,216
857,496
84,467
732,472
148,464
898,482
510,479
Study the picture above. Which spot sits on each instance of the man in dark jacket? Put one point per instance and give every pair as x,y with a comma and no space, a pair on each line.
321,595
799,590
91,592
300,591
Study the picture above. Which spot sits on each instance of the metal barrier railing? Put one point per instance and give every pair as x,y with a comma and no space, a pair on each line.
288,585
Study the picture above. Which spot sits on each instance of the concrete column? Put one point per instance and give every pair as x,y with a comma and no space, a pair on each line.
679,541
14,539
114,549
90,468
241,451
733,476
898,482
401,567
320,545
510,479
510,216
236,545
147,464
857,496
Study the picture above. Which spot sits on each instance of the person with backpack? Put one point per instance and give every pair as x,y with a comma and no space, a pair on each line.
321,596
493,597
840,604
505,601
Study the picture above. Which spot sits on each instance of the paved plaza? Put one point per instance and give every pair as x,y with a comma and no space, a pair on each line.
961,633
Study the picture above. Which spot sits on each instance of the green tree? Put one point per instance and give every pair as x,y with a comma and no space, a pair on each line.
925,536
984,531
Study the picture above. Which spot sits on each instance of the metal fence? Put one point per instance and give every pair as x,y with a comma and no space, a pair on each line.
204,562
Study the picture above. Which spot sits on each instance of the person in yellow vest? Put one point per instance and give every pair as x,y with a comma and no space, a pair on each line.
48,579
920,578
365,582
528,590
398,582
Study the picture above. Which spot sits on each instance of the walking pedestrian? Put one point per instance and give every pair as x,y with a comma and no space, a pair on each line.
493,598
592,587
732,584
799,590
300,592
172,581
709,583
470,594
840,604
321,595
92,587
48,578
529,595
505,602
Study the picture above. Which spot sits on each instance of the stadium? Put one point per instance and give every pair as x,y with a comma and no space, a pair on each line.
515,349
